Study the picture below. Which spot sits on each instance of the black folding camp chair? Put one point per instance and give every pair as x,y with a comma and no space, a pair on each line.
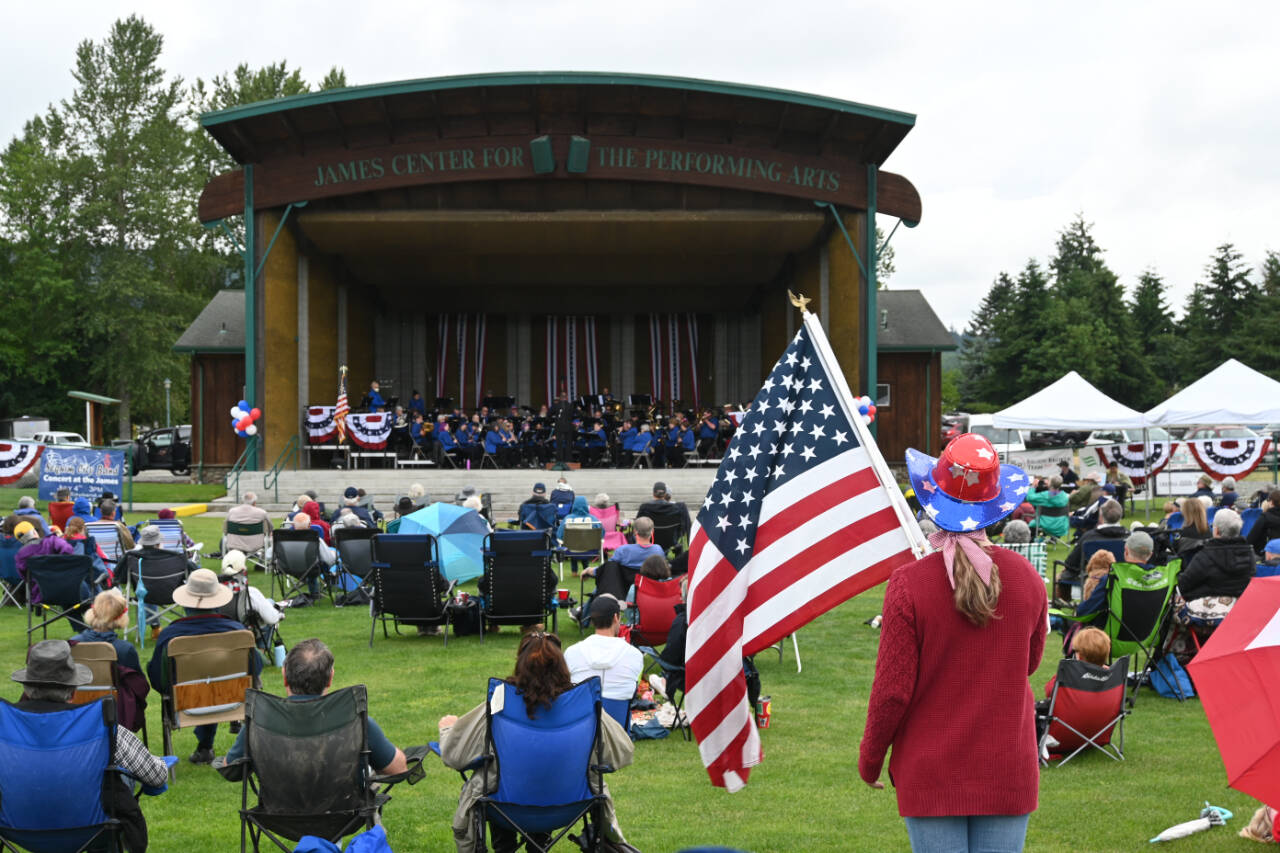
518,585
407,585
355,550
153,576
307,764
295,560
67,586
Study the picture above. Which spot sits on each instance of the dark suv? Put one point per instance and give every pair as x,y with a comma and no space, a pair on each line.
166,447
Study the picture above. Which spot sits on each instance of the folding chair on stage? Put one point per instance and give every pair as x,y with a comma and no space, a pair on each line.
12,586
67,585
307,765
102,662
208,677
107,535
154,575
53,768
1087,709
295,560
550,769
515,586
407,585
257,555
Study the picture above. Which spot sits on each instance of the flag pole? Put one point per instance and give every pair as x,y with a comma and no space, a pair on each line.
906,519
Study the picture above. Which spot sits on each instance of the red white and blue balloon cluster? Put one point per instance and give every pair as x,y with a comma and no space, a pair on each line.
243,417
867,409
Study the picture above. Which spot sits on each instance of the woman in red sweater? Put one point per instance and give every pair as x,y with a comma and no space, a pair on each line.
963,629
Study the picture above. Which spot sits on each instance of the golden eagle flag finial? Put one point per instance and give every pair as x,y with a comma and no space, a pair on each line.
801,302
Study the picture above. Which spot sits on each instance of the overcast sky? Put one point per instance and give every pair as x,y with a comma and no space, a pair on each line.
1157,121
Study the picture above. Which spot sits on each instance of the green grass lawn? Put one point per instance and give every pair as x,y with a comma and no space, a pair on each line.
169,493
805,796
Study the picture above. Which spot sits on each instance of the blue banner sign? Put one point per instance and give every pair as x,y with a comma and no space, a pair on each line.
87,473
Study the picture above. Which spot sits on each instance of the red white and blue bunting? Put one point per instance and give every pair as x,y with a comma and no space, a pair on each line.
673,357
1138,460
572,357
16,459
1229,457
369,431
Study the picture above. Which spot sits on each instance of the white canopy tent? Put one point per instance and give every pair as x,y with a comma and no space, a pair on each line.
1071,403
1232,393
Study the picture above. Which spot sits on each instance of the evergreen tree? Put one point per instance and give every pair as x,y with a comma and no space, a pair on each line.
980,385
1198,344
1257,338
1228,282
1153,324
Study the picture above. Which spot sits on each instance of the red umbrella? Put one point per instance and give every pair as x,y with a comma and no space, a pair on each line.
1237,674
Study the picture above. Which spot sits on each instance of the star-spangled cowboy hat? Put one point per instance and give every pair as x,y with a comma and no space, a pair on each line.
966,488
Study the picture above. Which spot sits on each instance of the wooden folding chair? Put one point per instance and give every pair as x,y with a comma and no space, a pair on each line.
208,677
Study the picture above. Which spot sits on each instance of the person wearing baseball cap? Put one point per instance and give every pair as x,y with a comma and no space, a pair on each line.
968,601
537,513
604,653
49,680
202,596
1271,555
351,502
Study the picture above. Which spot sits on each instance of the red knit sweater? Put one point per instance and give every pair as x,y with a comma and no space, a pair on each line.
952,698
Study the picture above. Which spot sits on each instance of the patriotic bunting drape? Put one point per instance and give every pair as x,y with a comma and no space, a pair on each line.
16,459
803,514
673,357
369,431
1229,457
572,358
1138,460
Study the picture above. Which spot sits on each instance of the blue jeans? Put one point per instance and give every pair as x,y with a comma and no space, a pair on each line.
975,834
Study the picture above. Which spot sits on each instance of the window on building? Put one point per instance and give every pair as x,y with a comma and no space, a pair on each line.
882,395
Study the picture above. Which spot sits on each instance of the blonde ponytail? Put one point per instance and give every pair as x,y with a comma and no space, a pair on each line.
973,598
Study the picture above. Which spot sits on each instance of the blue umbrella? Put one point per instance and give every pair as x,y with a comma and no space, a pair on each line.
460,533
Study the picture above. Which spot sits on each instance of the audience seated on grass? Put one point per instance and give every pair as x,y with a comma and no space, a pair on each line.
108,622
27,511
1267,527
616,575
540,678
1047,497
351,503
328,556
1195,530
76,534
33,546
245,515
49,681
308,674
1107,528
107,512
202,596
1215,577
537,513
655,566
1270,565
1017,537
60,508
605,654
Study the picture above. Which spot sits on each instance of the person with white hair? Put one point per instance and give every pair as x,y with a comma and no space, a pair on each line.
235,577
27,511
1216,576
247,512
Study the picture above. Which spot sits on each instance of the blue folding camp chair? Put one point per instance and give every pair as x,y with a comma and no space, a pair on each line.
172,535
1249,517
12,586
620,710
550,768
107,535
52,768
1265,571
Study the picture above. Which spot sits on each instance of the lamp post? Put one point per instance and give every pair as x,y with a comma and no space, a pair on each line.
167,384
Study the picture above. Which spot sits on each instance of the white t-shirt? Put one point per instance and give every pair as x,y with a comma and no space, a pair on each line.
617,662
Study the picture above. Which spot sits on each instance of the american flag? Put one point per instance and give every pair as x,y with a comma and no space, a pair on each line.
797,521
341,410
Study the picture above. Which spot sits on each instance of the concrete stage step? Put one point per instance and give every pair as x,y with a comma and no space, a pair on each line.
508,487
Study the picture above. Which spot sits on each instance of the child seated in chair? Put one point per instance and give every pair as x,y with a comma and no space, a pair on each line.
656,567
1090,645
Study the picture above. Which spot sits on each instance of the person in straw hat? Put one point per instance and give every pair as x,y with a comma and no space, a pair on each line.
963,628
49,680
201,595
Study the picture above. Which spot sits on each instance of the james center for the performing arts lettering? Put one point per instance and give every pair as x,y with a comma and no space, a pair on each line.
608,157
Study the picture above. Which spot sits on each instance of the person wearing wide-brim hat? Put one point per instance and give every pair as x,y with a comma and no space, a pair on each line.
963,627
404,506
202,596
49,680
